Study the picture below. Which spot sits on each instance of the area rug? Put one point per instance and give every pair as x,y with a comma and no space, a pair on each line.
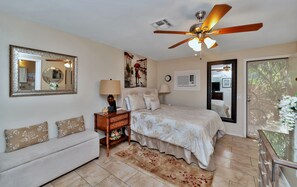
167,167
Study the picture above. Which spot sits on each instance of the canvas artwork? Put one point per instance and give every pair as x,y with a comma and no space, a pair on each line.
135,71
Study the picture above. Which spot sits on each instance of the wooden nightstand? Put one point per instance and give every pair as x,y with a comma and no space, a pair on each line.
110,122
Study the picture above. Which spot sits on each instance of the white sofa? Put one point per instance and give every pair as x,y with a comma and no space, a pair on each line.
40,163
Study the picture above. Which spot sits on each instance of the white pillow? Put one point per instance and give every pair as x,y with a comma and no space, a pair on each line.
136,102
155,104
148,98
127,102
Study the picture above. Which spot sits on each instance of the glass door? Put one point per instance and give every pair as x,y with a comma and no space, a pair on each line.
267,81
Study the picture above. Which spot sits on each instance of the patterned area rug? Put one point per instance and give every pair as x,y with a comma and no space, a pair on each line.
167,167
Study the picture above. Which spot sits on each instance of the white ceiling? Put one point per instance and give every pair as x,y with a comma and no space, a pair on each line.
126,24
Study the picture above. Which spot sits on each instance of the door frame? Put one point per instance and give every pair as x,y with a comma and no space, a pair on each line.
245,116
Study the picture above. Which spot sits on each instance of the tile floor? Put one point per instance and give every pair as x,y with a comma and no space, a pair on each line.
236,160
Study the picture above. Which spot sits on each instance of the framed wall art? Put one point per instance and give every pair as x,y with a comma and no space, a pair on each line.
226,82
135,71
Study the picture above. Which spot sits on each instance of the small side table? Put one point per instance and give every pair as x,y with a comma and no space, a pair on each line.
110,122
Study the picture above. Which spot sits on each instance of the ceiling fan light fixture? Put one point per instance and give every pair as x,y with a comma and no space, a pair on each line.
209,42
198,47
67,65
193,43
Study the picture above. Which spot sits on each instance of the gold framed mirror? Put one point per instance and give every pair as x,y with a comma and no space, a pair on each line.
37,72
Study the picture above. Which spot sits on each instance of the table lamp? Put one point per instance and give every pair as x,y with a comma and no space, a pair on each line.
164,89
110,88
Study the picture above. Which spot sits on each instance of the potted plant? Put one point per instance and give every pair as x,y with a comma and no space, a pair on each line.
288,116
53,85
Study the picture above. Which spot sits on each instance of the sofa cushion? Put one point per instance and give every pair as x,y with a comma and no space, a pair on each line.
26,136
70,126
22,156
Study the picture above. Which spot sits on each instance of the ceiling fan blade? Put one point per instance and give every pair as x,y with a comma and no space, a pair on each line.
173,32
217,12
241,28
179,43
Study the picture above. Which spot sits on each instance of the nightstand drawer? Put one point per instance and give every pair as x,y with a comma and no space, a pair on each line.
119,124
119,118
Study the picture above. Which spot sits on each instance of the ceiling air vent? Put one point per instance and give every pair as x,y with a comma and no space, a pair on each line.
162,24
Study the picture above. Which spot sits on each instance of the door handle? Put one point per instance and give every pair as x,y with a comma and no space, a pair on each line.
248,98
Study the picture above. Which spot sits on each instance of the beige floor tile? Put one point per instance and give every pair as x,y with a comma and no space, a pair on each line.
233,175
70,180
120,147
221,161
232,156
92,173
234,184
48,185
227,137
254,153
246,141
220,182
111,181
143,180
244,168
223,148
120,170
236,159
103,159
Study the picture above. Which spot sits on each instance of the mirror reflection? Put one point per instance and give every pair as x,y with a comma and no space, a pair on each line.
221,76
221,93
36,72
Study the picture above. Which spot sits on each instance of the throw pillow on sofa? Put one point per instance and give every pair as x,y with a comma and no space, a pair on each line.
26,136
70,126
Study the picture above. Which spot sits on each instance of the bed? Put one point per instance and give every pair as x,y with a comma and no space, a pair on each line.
220,107
184,132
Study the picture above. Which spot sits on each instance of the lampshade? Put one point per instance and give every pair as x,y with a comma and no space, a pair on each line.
110,87
209,42
164,88
195,44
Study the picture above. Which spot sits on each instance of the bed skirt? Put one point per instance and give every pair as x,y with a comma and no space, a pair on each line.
168,148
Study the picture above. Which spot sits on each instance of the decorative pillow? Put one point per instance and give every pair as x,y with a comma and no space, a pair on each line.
148,98
136,102
127,102
147,101
70,126
155,104
26,136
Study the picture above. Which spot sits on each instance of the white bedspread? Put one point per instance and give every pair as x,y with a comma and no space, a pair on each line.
187,127
220,107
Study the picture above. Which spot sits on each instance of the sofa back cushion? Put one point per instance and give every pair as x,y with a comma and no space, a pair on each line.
26,136
70,126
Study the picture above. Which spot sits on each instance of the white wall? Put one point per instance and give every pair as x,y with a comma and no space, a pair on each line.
198,98
95,62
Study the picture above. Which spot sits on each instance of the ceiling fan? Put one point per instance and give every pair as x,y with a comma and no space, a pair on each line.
225,68
200,32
